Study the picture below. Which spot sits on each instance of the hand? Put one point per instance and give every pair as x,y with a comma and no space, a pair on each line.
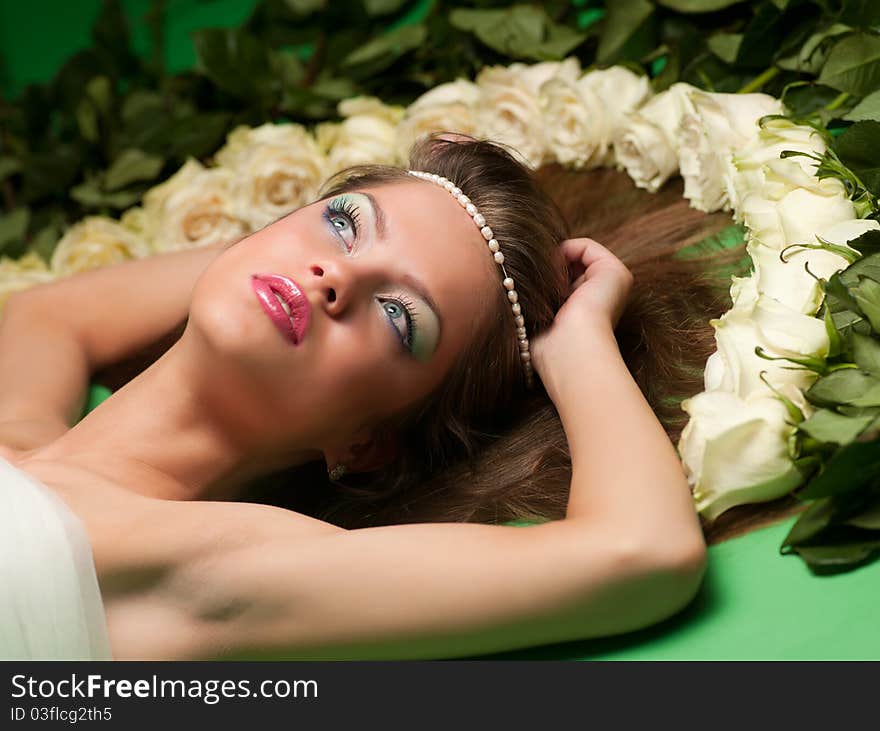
600,288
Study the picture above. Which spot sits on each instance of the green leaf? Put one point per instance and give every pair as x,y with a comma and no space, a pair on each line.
834,339
725,45
50,173
841,387
87,120
111,38
868,266
867,244
305,7
829,426
810,522
196,136
761,38
867,294
850,467
13,227
859,150
235,61
142,107
522,31
812,54
837,293
868,517
626,20
866,351
853,64
837,556
132,165
860,13
9,166
697,6
387,48
382,7
868,108
91,196
45,240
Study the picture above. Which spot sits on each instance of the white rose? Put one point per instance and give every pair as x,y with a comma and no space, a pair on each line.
796,217
843,232
194,207
578,132
95,242
780,332
533,76
450,107
647,143
510,112
744,291
718,125
22,273
276,168
370,106
620,91
789,282
748,164
735,451
367,135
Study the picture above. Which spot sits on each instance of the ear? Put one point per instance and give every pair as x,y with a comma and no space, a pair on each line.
375,452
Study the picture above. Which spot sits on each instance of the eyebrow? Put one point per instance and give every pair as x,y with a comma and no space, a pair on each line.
411,281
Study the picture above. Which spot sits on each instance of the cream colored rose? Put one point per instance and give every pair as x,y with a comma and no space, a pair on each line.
95,242
194,207
275,169
620,92
578,133
749,165
735,451
510,111
779,331
370,106
797,216
368,135
22,273
789,282
717,125
450,107
647,144
535,74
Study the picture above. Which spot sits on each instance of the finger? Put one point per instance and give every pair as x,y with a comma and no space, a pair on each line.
574,248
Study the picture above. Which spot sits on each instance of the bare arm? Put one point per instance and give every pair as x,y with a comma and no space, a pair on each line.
54,335
404,591
630,553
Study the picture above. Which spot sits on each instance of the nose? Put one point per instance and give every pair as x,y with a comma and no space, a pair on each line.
340,284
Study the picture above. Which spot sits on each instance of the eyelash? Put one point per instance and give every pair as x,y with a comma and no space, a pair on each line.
348,210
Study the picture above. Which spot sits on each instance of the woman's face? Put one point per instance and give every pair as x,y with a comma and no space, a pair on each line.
398,279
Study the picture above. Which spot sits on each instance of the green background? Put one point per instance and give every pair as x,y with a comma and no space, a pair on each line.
754,602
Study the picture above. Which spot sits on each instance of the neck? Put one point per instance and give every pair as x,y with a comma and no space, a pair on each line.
183,430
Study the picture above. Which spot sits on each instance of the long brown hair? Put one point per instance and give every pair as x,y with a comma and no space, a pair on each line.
481,448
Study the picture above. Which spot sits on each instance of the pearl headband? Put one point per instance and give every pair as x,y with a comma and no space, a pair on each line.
494,247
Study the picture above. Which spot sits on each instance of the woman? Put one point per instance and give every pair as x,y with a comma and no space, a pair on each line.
408,319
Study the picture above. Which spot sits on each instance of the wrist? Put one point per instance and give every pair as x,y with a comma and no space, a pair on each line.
595,347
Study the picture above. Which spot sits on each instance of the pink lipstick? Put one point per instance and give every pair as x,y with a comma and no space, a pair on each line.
272,290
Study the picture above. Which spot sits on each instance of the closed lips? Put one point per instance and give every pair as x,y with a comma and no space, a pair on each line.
295,305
